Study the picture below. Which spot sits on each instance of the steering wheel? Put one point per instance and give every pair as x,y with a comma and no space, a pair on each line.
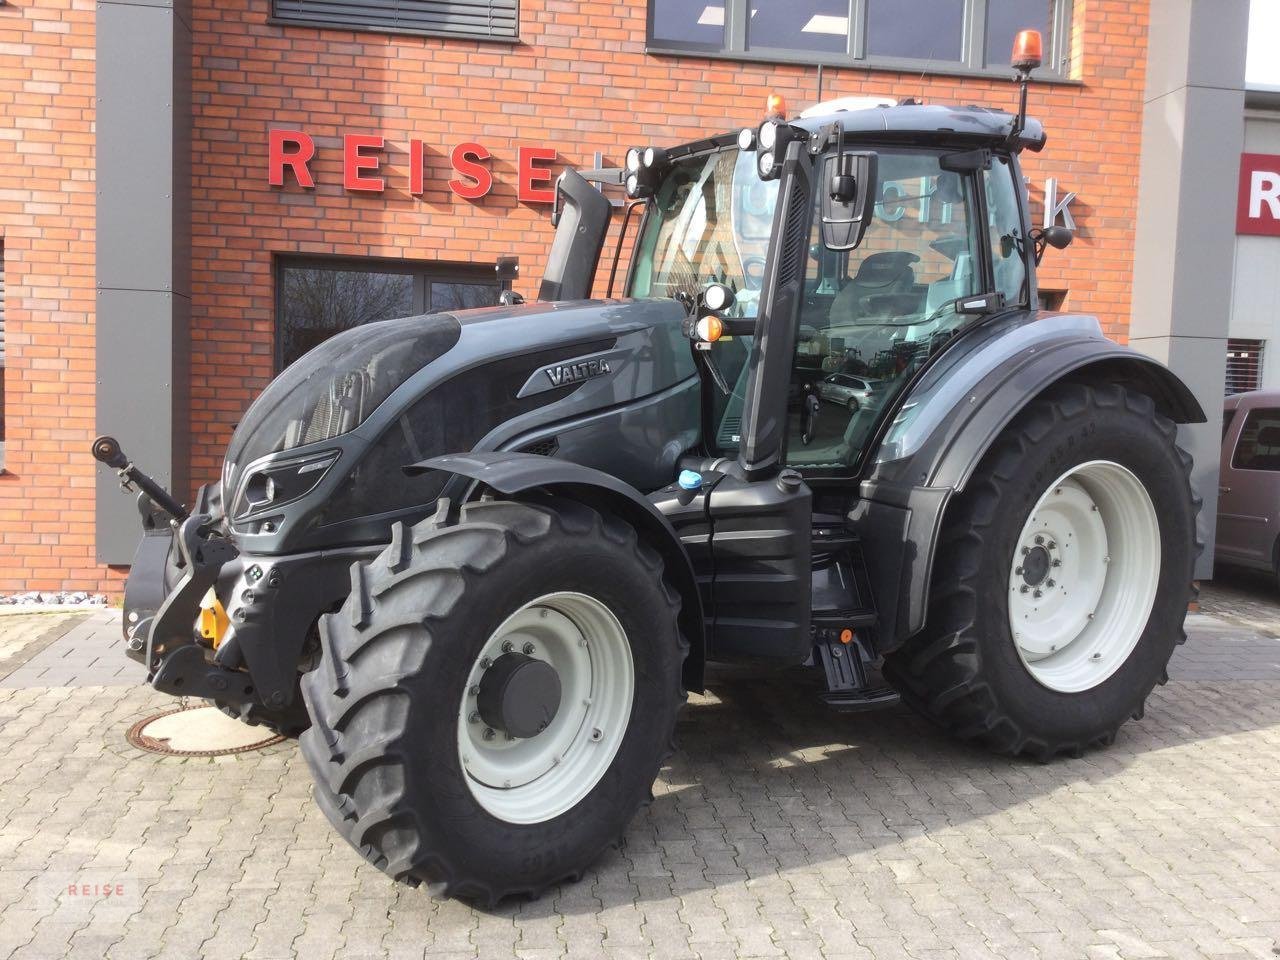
753,272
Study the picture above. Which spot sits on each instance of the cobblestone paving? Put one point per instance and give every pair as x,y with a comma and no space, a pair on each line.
778,830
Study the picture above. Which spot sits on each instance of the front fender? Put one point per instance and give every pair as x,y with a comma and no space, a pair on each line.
949,421
514,473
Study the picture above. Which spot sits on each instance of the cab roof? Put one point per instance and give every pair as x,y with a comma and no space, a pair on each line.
929,121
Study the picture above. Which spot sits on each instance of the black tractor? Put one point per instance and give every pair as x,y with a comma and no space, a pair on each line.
480,557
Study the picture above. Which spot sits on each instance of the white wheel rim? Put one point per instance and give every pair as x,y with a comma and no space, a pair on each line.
537,779
1083,577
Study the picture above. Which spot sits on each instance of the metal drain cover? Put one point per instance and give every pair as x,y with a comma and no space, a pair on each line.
198,731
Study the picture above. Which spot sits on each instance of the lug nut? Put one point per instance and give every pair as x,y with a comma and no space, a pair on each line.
528,649
1037,594
1052,545
489,733
1017,570
1023,589
1050,583
473,690
507,646
1039,540
486,663
474,718
1057,563
1025,551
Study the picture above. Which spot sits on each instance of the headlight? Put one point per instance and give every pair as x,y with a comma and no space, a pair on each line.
633,159
274,484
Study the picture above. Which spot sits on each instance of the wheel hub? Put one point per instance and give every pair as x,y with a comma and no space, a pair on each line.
519,695
1035,566
546,707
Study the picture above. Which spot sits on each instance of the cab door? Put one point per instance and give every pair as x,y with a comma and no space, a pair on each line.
761,518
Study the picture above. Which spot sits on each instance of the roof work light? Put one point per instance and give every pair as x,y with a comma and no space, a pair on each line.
1027,51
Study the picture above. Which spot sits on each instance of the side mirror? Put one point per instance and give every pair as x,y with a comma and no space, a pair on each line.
1058,237
848,199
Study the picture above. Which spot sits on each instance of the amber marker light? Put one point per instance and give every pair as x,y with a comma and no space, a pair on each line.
1028,50
846,635
776,106
710,328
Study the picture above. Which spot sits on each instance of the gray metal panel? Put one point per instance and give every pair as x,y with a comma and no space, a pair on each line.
135,169
135,347
1193,128
143,252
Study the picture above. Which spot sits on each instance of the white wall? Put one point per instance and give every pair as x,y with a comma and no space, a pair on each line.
1255,297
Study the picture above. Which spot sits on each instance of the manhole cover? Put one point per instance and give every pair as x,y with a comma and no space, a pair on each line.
198,732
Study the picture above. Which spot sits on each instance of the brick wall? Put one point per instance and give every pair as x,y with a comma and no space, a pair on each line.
578,80
46,220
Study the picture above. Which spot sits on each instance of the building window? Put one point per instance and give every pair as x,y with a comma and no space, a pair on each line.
1244,366
469,19
318,298
937,35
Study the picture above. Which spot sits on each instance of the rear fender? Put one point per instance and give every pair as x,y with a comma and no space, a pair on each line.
514,473
950,420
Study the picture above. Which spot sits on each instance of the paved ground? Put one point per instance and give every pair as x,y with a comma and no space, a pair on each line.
778,830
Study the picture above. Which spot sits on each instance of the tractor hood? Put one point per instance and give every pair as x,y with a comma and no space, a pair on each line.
485,373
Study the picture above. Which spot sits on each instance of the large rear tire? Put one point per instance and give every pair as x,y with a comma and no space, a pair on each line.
496,697
1062,578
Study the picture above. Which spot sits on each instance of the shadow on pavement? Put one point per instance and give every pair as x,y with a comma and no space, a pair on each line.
766,779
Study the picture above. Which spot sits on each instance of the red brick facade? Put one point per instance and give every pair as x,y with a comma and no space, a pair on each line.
578,80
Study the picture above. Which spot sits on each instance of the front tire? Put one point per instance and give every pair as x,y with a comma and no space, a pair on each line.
411,757
1062,578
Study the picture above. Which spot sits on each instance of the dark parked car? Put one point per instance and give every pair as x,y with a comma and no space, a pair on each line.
1249,482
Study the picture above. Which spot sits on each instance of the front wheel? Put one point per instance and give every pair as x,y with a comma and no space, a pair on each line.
496,697
1062,578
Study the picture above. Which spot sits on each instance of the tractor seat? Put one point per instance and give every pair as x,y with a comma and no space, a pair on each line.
878,275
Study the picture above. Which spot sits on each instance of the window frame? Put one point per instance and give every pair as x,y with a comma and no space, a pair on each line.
355,26
424,273
1056,67
1244,425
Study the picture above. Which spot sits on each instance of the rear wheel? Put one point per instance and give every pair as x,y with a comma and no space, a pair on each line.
497,696
1062,578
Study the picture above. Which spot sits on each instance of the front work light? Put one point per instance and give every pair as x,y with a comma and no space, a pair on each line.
645,167
746,139
772,139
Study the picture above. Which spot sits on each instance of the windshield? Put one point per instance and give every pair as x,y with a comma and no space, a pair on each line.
709,221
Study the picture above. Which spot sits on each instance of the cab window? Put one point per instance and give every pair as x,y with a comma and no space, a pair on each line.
873,315
1004,224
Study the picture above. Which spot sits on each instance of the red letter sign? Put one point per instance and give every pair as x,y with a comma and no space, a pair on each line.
466,159
415,168
303,149
530,177
1258,204
353,162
